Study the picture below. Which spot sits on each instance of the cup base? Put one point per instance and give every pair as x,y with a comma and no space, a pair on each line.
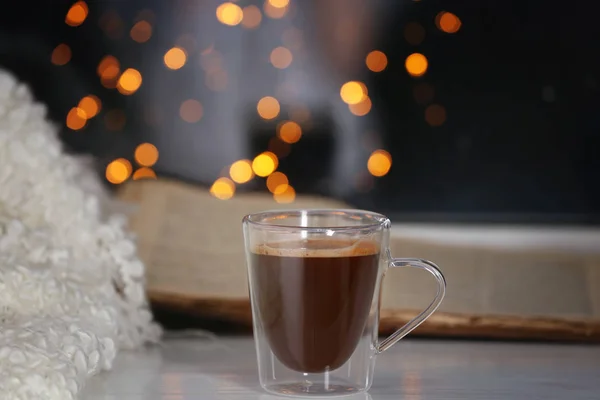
313,389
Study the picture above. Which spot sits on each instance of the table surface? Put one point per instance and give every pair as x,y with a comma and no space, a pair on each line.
185,368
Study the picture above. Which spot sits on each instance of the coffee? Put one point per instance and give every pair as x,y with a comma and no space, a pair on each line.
314,299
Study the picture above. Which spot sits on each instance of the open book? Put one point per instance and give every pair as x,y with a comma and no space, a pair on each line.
193,248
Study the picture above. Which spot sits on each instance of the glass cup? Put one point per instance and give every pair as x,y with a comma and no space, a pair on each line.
315,285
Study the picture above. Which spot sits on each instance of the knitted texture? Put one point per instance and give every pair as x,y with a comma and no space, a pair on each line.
71,285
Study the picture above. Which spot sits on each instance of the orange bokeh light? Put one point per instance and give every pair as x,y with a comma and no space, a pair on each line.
241,171
277,182
130,81
77,14
191,111
175,58
289,132
416,64
90,105
146,154
76,118
144,173
252,17
353,92
379,163
141,31
281,57
61,54
268,107
376,61
286,196
362,108
448,22
229,14
223,189
118,171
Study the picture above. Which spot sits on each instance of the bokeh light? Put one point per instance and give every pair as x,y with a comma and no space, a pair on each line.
108,67
279,3
281,57
229,14
277,182
175,58
241,171
141,31
286,196
379,163
414,33
353,92
435,115
144,173
61,54
274,12
90,105
361,109
223,189
416,64
252,17
264,164
268,107
76,119
191,111
289,132
376,61
115,120
77,14
118,171
146,154
447,22
129,82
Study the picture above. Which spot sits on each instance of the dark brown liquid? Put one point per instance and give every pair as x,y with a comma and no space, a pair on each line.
314,303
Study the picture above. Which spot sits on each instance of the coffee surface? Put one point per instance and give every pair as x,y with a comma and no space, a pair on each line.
314,298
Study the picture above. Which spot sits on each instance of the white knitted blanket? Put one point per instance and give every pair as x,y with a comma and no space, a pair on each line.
71,285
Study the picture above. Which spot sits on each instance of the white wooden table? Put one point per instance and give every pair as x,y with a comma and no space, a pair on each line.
225,368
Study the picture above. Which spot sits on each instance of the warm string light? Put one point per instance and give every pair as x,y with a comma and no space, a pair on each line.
175,58
265,164
447,22
229,14
223,188
281,57
416,64
76,119
274,11
241,171
379,163
362,108
353,92
118,171
289,132
277,182
376,61
268,107
77,14
91,106
129,82
251,17
141,31
144,173
61,54
146,154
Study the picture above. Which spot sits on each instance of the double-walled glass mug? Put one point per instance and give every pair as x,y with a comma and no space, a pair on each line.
315,284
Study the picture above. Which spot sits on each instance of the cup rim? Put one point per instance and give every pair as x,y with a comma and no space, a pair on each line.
258,219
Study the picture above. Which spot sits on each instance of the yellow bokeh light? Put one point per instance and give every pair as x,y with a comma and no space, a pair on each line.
416,64
264,164
435,115
362,108
279,3
268,107
191,111
76,118
274,12
223,189
448,22
286,196
61,54
141,31
241,171
118,171
115,120
144,173
289,132
230,14
281,57
277,182
353,92
175,58
146,154
376,61
379,163
252,17
130,81
77,14
90,105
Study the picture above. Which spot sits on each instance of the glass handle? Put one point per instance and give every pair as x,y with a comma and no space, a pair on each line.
419,319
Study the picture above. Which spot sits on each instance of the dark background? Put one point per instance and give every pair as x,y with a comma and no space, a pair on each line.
519,83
